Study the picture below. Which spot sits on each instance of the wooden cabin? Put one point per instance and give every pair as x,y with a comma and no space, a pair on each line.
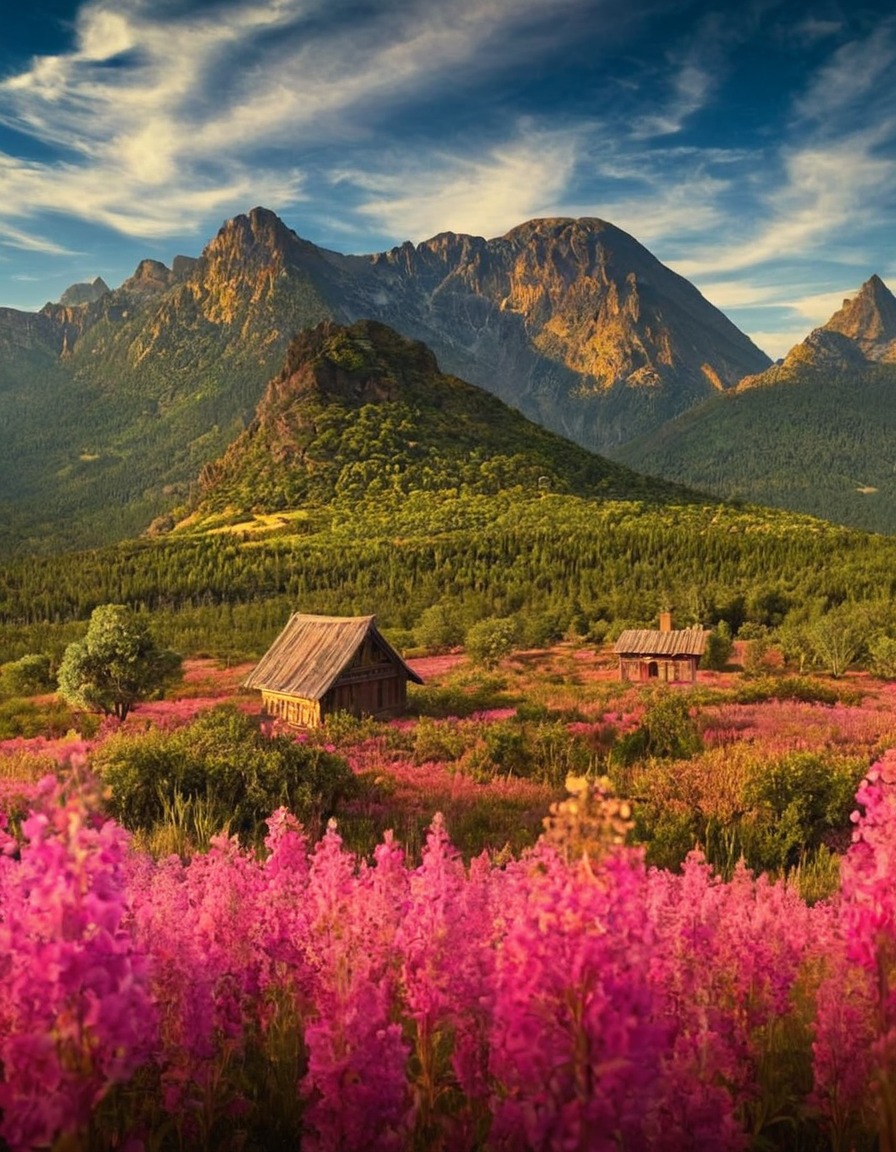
319,665
667,655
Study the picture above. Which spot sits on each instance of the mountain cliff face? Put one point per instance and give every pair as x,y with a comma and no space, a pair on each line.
814,433
572,322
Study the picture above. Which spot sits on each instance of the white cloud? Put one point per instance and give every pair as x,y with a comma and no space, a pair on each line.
486,195
857,70
691,88
823,186
175,126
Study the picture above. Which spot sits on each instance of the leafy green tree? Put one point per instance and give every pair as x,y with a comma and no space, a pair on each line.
440,627
718,647
837,638
488,641
117,664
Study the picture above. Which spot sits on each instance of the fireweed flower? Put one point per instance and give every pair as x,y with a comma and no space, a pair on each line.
76,1015
868,917
356,1083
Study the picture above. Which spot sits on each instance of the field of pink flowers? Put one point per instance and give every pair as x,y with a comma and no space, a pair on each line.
560,996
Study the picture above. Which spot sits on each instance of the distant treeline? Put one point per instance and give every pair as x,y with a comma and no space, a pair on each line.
554,563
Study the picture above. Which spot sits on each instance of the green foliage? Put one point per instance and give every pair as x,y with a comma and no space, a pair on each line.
773,811
837,638
489,641
27,676
818,441
803,688
719,645
116,665
793,802
229,773
544,751
882,656
440,626
26,718
667,731
540,559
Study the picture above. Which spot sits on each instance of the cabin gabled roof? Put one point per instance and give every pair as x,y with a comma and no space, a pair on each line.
308,656
648,642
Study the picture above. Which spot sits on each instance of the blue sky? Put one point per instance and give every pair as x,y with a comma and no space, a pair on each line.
751,147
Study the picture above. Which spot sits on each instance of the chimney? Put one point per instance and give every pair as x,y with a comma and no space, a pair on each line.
665,621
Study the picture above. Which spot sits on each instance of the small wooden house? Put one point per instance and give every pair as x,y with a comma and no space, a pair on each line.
667,654
319,665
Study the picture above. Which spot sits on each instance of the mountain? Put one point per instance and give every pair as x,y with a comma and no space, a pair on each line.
111,401
815,433
571,321
362,416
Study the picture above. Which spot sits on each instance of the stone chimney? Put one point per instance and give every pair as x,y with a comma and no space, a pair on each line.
665,621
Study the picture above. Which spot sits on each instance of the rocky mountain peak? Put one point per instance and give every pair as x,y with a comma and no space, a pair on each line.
869,319
84,293
151,278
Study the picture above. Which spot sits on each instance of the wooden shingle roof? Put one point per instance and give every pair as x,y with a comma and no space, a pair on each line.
308,656
647,642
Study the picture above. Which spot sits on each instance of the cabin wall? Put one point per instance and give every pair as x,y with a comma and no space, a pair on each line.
381,692
293,710
663,669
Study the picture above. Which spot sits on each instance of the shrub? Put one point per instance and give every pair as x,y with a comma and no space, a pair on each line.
882,656
719,646
27,676
489,641
802,688
794,801
223,764
667,731
53,718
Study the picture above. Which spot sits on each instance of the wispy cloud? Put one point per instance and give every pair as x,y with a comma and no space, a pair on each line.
820,187
690,87
857,70
484,195
158,121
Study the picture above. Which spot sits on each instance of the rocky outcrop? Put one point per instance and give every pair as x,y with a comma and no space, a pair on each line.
869,321
861,332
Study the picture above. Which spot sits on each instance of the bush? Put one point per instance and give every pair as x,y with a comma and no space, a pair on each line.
489,641
882,656
801,688
223,764
667,731
719,646
27,718
793,803
27,676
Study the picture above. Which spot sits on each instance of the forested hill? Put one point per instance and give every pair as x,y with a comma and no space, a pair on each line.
816,433
361,415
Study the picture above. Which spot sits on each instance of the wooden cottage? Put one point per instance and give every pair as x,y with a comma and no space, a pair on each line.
319,665
668,655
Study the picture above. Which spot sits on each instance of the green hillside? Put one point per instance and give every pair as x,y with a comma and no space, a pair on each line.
821,440
362,416
370,482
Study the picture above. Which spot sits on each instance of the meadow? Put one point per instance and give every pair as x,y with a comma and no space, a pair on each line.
543,910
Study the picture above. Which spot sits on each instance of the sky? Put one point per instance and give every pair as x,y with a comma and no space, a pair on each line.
751,147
